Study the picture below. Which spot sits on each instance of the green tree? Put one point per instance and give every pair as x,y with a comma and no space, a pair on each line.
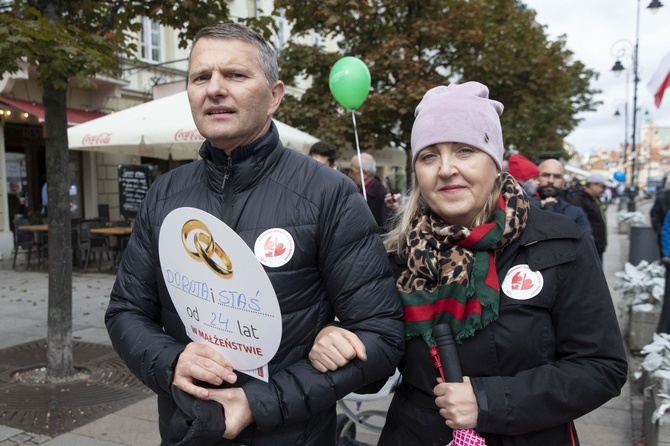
78,39
413,45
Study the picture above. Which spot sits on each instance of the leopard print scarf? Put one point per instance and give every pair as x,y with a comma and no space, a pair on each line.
451,273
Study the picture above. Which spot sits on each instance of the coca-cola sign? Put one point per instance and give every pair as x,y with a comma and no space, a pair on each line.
96,140
188,135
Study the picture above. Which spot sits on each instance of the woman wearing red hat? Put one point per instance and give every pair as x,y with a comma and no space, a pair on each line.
524,171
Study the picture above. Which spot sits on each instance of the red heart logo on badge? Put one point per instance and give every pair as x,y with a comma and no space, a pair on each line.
520,282
273,249
279,249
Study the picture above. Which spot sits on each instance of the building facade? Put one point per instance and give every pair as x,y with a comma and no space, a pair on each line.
160,69
94,184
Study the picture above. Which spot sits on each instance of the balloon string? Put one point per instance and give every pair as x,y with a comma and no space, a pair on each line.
358,151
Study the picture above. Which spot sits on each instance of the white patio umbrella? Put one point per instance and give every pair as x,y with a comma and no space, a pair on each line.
162,128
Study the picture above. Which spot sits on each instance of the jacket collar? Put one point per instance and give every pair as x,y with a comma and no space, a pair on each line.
541,229
248,163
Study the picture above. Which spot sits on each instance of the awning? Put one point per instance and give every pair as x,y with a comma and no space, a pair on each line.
162,128
74,116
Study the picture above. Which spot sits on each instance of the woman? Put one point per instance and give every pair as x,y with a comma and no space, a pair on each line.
525,172
664,319
522,289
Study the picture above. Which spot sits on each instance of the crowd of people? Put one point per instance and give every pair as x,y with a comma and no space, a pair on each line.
363,277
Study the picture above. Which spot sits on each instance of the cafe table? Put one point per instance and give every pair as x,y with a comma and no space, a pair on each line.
35,228
40,233
122,235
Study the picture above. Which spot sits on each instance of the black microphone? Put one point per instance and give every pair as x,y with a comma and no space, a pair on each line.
446,349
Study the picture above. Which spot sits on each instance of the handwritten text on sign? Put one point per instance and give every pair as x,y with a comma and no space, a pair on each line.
219,289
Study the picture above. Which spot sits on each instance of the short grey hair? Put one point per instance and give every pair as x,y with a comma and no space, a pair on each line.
267,56
368,163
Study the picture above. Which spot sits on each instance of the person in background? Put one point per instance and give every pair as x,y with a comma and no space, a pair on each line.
324,152
606,197
664,318
508,278
549,194
588,198
45,201
524,171
660,208
336,267
375,190
393,203
574,186
393,199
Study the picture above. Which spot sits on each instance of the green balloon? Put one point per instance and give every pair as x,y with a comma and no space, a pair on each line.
350,82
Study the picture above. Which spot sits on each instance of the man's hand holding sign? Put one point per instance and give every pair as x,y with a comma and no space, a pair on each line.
202,363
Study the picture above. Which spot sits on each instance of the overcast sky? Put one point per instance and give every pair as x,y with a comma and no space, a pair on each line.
594,30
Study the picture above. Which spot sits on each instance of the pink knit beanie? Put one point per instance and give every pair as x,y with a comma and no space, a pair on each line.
459,113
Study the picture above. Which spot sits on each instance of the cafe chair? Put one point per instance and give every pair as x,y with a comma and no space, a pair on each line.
92,245
78,254
23,240
103,213
43,246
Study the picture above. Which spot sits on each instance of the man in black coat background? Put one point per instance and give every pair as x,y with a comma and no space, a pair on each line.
659,209
589,200
375,190
550,194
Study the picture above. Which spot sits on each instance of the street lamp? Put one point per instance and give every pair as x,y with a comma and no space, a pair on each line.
619,104
654,6
617,68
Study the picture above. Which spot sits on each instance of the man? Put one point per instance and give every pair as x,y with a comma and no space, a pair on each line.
549,194
336,265
324,153
659,209
374,188
589,200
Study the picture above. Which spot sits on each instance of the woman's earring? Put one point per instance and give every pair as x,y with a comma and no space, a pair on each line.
499,173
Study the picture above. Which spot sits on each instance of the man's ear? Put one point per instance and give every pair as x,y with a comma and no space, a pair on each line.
277,92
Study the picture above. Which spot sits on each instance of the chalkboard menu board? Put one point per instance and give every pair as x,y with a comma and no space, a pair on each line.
134,182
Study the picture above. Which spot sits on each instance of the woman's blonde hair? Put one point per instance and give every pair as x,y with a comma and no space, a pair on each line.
396,239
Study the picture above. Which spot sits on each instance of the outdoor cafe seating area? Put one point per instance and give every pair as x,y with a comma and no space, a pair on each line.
96,243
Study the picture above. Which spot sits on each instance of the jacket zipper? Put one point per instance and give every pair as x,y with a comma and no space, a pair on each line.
227,194
226,173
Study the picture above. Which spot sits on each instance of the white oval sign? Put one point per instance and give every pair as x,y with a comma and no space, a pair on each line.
221,292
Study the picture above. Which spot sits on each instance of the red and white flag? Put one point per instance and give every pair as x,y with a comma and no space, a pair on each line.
660,80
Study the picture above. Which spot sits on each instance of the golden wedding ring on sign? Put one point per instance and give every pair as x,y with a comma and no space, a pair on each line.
195,227
206,249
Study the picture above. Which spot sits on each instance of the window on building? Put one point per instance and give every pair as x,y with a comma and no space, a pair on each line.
151,40
315,38
282,33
